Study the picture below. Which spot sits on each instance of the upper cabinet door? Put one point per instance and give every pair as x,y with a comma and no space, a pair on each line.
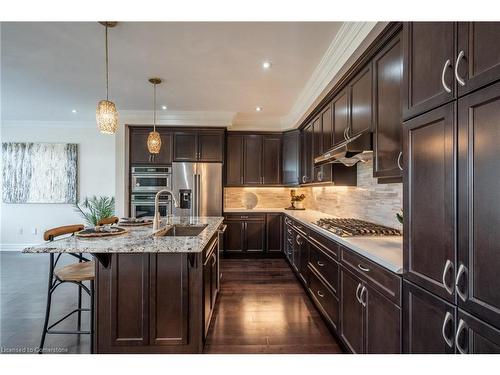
234,160
291,161
185,146
429,201
429,58
361,102
252,163
388,126
271,161
139,153
478,275
306,154
478,55
211,146
340,108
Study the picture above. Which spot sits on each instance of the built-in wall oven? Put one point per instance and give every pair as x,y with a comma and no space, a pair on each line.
143,204
145,183
151,179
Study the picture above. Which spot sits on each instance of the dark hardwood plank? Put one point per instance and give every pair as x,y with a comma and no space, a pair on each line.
262,308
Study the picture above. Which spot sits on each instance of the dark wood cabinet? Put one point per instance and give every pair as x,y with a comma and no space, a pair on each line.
324,298
185,146
387,110
429,58
271,159
478,55
475,336
144,305
360,89
429,322
302,256
274,233
211,146
340,108
210,284
234,160
478,264
245,233
351,312
252,160
194,145
233,237
306,164
291,158
139,153
429,201
382,324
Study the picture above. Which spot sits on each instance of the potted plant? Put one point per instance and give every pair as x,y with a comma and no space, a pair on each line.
96,208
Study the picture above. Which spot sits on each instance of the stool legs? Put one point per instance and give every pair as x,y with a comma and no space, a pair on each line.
49,300
79,316
91,316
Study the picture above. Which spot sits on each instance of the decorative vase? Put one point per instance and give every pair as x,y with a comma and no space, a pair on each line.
299,205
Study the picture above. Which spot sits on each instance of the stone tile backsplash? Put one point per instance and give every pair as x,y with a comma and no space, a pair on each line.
369,201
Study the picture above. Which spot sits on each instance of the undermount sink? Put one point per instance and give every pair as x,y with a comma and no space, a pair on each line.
181,230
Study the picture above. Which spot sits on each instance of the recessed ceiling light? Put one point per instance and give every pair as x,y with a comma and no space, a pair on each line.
258,109
164,107
73,111
266,64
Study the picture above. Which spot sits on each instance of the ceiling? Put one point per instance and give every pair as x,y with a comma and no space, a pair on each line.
51,68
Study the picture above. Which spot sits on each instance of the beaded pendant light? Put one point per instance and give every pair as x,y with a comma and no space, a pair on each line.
106,113
154,139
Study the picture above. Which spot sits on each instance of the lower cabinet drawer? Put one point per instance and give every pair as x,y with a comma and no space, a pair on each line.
324,243
325,266
388,283
324,298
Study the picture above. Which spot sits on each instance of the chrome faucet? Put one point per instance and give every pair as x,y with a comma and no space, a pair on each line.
157,217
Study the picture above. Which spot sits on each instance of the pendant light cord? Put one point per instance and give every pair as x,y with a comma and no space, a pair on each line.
154,107
107,74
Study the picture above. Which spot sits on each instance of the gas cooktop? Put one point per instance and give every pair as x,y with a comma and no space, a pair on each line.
354,227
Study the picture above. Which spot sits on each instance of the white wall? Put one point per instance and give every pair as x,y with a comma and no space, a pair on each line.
96,175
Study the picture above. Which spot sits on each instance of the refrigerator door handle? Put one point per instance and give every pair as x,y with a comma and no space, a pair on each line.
197,195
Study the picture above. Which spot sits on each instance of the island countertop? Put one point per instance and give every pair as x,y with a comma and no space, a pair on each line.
137,240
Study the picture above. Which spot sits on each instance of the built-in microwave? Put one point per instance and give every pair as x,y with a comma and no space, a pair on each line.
143,205
151,179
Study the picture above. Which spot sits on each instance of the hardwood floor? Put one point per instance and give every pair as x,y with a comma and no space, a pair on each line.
23,293
262,308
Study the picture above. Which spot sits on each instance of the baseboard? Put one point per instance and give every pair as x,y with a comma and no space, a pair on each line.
14,246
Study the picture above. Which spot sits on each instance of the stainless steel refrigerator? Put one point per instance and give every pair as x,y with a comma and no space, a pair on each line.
198,188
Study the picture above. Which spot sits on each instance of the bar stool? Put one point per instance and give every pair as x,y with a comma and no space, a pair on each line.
75,273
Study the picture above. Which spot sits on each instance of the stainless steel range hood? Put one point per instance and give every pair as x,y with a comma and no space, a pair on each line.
350,152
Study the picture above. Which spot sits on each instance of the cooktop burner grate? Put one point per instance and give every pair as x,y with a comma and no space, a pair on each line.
354,227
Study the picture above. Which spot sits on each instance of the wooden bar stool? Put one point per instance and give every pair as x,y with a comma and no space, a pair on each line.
75,273
108,220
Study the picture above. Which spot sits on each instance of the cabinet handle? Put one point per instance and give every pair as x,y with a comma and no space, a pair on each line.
297,239
443,82
461,327
364,269
320,176
462,270
214,259
363,292
447,318
346,134
303,179
447,267
244,217
320,294
320,264
357,293
289,231
399,161
460,80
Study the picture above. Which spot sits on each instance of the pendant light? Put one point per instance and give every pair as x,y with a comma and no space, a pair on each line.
154,139
106,114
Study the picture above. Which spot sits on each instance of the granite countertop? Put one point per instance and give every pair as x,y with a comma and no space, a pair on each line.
386,251
137,240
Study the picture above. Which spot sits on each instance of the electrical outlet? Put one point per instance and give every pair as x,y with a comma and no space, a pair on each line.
20,231
34,231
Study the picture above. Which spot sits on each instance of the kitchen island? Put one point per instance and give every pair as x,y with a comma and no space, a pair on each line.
154,292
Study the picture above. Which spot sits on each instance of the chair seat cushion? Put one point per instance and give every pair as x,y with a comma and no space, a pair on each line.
76,272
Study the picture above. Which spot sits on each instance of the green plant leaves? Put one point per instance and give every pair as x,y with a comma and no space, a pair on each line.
96,208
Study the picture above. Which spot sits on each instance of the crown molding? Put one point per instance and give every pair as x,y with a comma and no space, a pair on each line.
181,118
346,41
